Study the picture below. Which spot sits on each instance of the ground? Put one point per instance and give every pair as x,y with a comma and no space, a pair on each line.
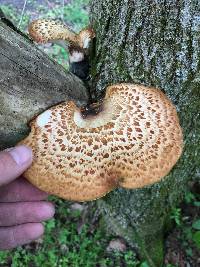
76,236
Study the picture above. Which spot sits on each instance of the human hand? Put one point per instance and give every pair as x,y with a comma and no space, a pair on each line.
22,208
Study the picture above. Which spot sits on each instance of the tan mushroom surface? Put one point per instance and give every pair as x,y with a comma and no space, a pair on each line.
47,30
134,141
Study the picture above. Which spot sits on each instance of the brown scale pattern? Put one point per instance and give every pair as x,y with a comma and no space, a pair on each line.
136,145
47,30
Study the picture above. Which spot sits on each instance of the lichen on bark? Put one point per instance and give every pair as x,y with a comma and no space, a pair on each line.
153,43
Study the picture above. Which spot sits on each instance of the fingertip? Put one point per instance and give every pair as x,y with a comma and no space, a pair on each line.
46,211
34,230
51,209
11,237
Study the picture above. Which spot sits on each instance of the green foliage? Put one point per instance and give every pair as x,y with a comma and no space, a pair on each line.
196,239
197,203
189,197
144,264
118,259
13,14
190,230
66,243
196,224
75,13
59,54
176,215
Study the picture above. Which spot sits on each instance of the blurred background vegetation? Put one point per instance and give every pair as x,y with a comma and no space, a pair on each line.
73,13
76,236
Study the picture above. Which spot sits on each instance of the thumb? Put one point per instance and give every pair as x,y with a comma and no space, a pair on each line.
13,162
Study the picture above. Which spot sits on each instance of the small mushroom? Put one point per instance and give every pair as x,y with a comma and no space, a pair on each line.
46,30
133,141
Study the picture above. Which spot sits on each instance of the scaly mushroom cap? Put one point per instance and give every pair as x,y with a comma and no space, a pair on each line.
47,30
85,36
133,141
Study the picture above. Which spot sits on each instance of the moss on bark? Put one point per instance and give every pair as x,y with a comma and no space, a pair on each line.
153,43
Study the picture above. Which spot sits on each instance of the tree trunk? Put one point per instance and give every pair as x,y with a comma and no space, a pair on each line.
153,43
30,82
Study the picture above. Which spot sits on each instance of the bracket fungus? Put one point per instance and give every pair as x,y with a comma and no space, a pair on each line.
47,30
54,31
134,140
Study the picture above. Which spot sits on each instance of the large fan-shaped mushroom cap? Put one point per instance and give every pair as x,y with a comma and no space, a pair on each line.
134,141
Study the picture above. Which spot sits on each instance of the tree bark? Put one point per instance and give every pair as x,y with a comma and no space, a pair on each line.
153,43
30,82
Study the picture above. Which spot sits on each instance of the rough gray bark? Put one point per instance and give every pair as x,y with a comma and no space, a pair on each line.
30,82
153,43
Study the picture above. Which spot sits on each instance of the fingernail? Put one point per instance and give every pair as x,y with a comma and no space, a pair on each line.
21,154
47,211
